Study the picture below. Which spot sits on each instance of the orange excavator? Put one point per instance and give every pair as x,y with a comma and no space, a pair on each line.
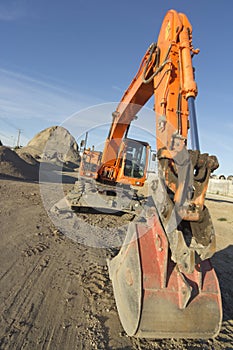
163,280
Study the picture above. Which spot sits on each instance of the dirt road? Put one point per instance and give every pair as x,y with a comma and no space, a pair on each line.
56,294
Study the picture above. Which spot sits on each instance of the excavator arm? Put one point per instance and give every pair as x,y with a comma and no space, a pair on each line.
163,281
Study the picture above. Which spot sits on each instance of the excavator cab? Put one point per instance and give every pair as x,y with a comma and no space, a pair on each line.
132,162
114,190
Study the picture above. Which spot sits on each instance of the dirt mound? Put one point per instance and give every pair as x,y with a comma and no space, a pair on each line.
14,166
54,143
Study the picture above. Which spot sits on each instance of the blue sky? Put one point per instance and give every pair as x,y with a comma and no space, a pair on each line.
60,58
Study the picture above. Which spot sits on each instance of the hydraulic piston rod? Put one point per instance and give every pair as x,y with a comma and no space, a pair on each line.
193,124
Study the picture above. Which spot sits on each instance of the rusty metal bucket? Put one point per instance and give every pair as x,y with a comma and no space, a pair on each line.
153,297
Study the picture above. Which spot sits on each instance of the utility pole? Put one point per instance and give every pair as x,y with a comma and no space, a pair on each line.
18,140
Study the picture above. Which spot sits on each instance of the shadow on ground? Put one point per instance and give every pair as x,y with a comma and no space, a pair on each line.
222,263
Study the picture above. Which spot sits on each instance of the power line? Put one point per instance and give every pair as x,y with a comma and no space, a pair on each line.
7,137
9,123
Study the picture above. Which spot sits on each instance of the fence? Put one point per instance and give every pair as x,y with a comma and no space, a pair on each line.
221,187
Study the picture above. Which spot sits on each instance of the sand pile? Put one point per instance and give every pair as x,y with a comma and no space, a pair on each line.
54,144
11,165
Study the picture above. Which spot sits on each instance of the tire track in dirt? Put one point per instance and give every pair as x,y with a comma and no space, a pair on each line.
20,304
46,288
99,303
32,284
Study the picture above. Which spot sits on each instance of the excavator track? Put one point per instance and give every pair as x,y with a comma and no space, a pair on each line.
87,195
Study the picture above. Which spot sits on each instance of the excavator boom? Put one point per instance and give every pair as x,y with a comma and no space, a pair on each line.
166,71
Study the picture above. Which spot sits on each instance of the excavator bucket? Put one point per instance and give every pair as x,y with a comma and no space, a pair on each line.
153,297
